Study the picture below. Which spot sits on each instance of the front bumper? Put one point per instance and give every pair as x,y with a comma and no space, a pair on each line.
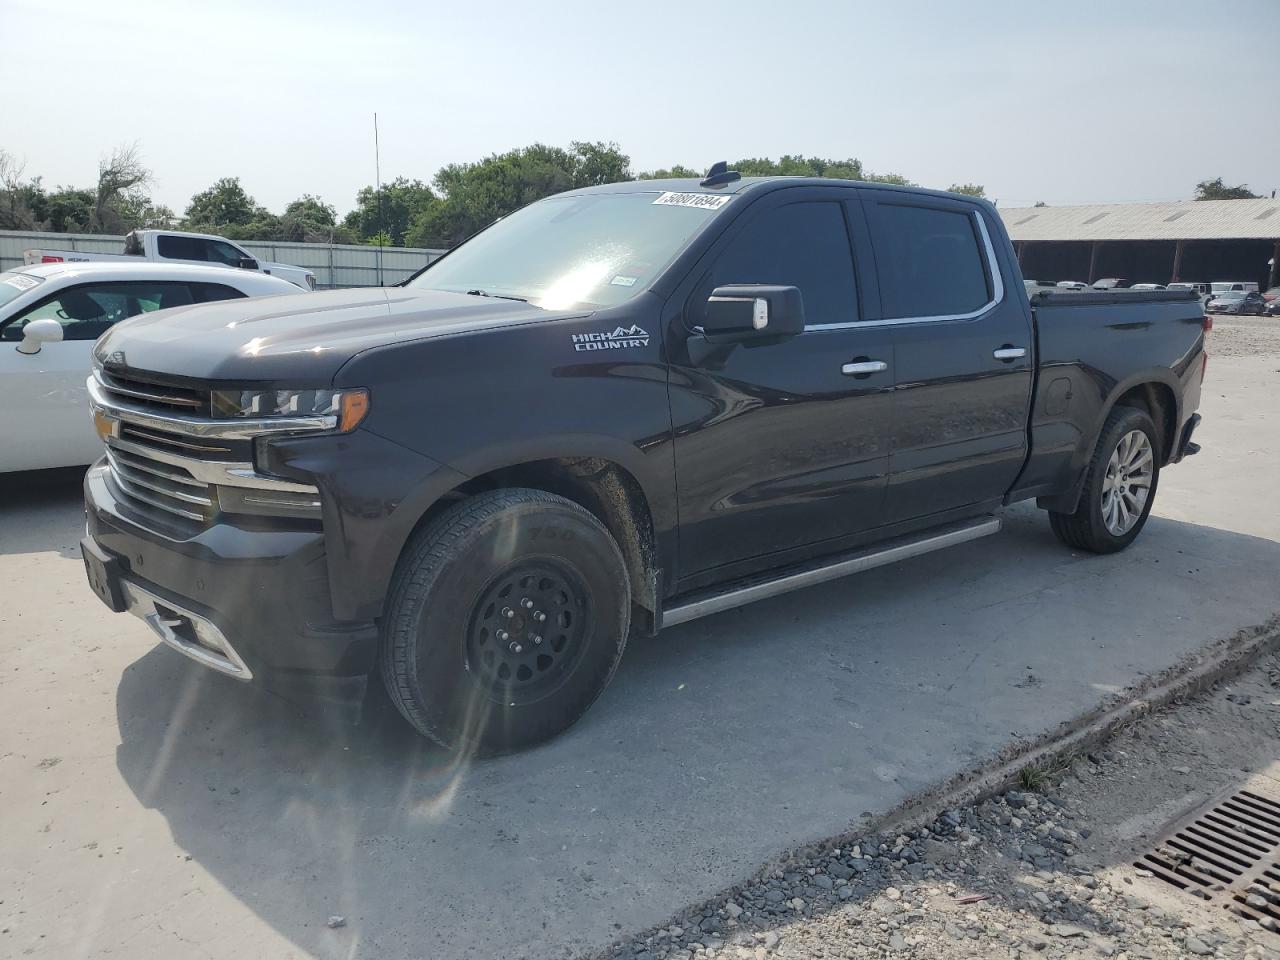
248,602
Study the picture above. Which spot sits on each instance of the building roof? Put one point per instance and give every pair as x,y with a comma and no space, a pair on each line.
1184,220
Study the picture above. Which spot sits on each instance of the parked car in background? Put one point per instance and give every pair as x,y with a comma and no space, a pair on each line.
1272,295
689,353
1071,285
1226,286
1200,288
50,316
1111,283
1237,301
175,247
1039,286
1148,286
1273,308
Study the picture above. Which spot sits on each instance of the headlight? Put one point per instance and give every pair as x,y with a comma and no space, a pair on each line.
347,407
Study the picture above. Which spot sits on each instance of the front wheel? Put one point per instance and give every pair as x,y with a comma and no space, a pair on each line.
506,619
1120,486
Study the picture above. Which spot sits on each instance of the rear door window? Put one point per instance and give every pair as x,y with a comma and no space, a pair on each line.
181,248
208,292
929,260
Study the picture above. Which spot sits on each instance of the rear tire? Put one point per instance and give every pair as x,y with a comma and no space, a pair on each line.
1119,487
506,619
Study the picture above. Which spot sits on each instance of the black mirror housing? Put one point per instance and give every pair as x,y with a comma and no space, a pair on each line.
248,263
752,311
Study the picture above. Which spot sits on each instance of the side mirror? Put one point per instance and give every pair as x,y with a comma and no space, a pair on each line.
752,311
39,332
248,263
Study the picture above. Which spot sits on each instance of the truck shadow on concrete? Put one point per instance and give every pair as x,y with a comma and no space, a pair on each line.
720,744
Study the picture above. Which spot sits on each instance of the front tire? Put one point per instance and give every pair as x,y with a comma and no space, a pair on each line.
1120,486
507,617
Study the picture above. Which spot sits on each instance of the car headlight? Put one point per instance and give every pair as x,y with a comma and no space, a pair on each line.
347,407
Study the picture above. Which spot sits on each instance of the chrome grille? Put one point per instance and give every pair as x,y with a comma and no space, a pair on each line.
145,393
178,444
159,484
166,453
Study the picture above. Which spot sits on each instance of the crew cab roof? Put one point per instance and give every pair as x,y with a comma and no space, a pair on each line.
756,185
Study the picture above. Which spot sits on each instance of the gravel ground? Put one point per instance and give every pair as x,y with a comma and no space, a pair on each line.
1045,873
1244,337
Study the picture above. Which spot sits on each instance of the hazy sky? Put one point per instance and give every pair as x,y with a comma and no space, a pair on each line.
1063,102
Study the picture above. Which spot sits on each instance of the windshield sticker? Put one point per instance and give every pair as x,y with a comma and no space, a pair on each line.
621,281
21,281
707,201
620,338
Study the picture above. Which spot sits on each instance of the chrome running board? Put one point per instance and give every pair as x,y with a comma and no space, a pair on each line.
903,548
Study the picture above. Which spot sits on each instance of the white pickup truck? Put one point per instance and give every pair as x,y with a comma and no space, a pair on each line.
167,245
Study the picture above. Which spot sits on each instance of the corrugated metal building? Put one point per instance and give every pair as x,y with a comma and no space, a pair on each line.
1192,240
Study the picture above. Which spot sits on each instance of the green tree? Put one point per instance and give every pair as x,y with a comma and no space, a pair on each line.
678,172
473,195
970,189
137,211
223,205
790,165
392,209
310,220
66,210
1217,190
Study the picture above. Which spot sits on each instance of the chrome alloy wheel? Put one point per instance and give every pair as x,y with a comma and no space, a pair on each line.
1128,482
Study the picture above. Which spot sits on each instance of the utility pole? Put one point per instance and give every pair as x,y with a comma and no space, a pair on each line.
377,180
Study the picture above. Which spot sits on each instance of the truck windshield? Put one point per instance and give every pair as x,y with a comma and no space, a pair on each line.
595,250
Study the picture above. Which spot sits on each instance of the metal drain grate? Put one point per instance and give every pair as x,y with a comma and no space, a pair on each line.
1227,852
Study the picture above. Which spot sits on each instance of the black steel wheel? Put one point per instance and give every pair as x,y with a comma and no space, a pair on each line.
506,619
527,630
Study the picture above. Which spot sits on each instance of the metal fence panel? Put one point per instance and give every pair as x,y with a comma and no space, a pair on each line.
334,264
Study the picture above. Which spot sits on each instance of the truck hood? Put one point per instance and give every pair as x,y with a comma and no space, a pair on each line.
299,338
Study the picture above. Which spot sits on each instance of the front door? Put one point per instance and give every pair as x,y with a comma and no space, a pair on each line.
48,423
964,354
781,446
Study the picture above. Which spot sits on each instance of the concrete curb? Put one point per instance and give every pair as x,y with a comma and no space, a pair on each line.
1074,738
1194,674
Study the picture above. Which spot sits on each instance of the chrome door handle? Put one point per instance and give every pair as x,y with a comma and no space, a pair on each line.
863,367
1009,353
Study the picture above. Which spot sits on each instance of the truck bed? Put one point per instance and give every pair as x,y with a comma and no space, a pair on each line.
1092,348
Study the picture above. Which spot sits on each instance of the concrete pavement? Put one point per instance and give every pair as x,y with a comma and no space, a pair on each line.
152,809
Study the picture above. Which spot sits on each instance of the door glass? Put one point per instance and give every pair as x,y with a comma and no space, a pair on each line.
86,312
180,248
802,245
219,251
929,261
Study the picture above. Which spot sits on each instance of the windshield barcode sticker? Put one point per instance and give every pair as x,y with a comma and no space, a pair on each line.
707,201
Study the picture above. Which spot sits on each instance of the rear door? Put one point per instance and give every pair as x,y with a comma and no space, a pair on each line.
963,353
777,448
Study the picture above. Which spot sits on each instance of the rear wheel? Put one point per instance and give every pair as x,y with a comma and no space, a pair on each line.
1120,486
508,615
